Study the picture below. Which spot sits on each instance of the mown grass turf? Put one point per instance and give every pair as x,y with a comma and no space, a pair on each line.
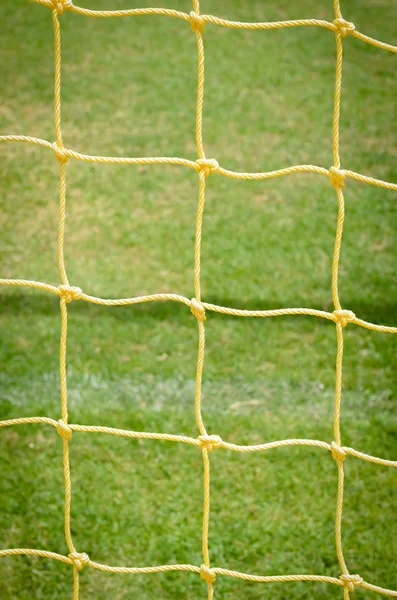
129,88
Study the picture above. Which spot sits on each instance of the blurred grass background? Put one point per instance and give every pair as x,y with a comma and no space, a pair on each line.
129,89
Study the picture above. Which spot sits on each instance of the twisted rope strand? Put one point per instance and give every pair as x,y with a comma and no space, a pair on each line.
211,19
194,569
67,294
173,160
205,305
210,442
204,167
198,311
337,180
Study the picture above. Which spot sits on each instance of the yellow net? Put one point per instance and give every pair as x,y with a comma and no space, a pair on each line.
204,167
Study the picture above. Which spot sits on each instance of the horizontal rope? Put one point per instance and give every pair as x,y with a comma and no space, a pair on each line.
135,434
276,578
33,552
191,164
143,570
134,12
269,24
279,312
150,160
374,42
272,174
137,300
31,284
193,569
27,421
27,139
188,302
195,441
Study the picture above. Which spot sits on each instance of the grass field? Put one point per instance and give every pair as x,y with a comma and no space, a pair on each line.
129,89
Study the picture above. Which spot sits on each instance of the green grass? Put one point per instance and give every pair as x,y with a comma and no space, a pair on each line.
129,88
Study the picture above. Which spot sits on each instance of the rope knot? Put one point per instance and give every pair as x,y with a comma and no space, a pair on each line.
79,559
61,5
207,165
197,309
344,316
337,452
337,177
64,430
197,23
343,27
351,581
210,442
207,574
60,153
70,293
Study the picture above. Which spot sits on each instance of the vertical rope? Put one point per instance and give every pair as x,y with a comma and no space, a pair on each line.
338,186
198,27
339,458
76,583
64,299
338,183
57,78
62,218
59,147
197,293
200,86
64,406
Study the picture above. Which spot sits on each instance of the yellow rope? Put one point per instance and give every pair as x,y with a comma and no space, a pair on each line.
67,293
173,160
211,442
